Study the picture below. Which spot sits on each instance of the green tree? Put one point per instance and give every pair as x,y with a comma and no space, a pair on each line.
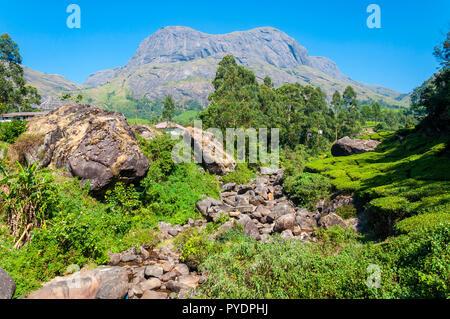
14,94
434,95
235,101
349,97
336,104
376,111
169,108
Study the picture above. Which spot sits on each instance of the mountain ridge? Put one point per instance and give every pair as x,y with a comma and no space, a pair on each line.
181,61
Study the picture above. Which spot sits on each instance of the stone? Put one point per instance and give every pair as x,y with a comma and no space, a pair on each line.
151,294
285,222
7,285
189,280
171,275
144,253
113,290
181,269
235,214
105,282
129,256
331,220
306,222
154,271
242,189
90,143
173,232
246,208
205,204
227,226
257,200
135,291
215,159
229,187
168,266
176,286
150,284
347,146
250,229
280,209
114,259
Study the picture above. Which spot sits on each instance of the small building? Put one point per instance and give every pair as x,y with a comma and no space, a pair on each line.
8,117
170,128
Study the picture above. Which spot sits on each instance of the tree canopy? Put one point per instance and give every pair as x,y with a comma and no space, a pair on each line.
15,95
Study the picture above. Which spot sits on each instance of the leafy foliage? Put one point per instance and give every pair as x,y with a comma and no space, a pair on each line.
14,94
10,131
306,188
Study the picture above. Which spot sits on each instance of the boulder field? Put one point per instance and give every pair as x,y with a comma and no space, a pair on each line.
260,207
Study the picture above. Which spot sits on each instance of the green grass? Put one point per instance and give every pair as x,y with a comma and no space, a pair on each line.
79,229
407,175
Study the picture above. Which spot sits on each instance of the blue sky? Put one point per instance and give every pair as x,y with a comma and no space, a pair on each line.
399,55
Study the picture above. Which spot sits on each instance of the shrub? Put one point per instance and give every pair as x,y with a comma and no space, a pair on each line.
173,200
241,175
10,131
307,188
346,211
29,200
123,199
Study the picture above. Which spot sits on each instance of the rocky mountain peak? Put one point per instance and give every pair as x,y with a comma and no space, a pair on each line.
264,45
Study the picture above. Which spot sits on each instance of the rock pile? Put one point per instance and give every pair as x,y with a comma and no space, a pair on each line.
263,209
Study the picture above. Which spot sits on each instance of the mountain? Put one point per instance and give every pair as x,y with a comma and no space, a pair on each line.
50,86
182,62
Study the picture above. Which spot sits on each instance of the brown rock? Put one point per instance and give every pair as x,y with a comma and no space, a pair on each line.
330,220
151,294
347,146
152,283
93,144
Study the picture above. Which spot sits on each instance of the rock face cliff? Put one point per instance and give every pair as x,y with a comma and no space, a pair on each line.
95,145
269,45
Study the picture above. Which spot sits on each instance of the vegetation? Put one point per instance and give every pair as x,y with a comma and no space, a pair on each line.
169,108
48,221
10,131
14,94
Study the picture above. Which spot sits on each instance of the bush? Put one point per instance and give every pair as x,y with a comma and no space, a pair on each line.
241,175
307,188
346,211
173,200
29,200
10,131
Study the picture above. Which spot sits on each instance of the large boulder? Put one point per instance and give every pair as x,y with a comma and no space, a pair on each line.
93,144
7,285
347,146
104,282
214,157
